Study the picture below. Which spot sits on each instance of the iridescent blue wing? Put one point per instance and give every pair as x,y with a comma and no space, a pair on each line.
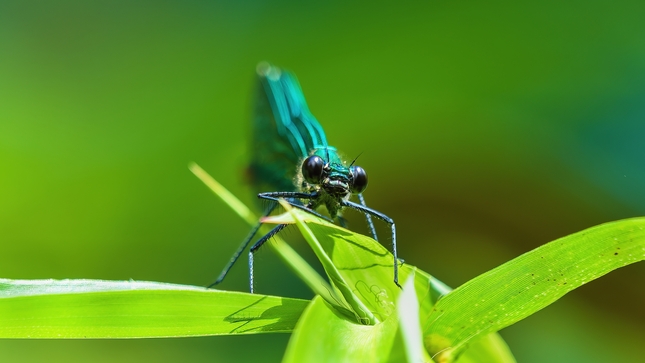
284,131
308,129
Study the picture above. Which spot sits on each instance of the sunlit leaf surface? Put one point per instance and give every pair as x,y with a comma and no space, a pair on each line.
366,266
128,309
530,282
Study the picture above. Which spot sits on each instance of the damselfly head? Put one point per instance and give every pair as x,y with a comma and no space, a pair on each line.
334,178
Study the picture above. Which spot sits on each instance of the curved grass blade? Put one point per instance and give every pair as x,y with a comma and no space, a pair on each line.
529,283
227,197
71,309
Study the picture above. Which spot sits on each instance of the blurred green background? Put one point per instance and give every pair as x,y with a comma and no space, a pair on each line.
486,129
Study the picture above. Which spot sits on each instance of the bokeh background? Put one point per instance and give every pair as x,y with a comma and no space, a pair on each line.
486,129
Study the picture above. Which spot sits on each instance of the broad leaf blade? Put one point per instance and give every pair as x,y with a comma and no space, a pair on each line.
530,282
324,335
113,309
367,265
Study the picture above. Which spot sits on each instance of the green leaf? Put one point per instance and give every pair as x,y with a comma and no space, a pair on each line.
362,313
367,268
324,335
361,271
365,265
129,309
307,274
361,268
530,282
490,348
409,336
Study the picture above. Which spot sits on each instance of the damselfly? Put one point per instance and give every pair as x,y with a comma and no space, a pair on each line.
290,154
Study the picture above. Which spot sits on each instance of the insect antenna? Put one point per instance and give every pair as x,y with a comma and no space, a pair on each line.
353,161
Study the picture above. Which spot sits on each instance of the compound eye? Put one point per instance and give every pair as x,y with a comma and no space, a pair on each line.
312,169
359,179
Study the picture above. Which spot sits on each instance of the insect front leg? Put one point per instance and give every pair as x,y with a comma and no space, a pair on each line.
385,219
292,197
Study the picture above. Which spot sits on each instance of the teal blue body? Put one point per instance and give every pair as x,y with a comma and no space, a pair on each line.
290,159
284,134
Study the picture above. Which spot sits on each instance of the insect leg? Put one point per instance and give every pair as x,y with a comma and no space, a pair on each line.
342,221
387,220
241,248
266,237
293,196
370,223
256,246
